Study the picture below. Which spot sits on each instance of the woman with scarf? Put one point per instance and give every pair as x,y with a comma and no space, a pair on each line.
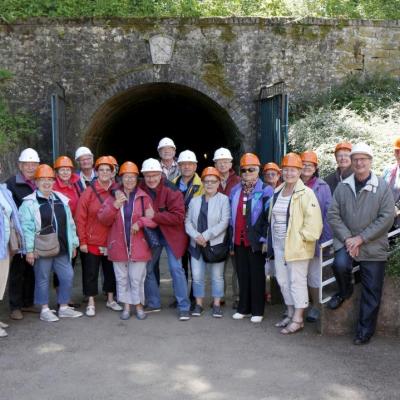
9,220
249,202
309,176
126,243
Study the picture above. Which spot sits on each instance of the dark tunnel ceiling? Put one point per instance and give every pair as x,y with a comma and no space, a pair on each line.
129,126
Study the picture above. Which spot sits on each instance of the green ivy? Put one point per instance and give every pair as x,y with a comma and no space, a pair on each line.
373,9
393,264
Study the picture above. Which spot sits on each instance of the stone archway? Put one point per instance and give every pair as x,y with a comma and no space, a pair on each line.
131,122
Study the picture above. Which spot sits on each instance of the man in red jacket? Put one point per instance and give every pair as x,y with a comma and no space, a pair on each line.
223,162
169,215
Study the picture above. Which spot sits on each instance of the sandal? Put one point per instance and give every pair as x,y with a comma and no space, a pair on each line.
293,327
283,323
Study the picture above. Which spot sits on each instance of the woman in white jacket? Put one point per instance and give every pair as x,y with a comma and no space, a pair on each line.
206,221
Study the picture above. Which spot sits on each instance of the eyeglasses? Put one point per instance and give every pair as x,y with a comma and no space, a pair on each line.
362,160
244,170
272,174
210,182
104,170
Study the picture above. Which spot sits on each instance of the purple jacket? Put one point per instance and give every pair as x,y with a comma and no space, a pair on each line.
324,196
257,221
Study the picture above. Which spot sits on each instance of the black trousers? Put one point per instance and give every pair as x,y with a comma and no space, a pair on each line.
372,275
21,284
251,277
90,274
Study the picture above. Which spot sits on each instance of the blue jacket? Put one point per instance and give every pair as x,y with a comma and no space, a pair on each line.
15,218
256,214
31,222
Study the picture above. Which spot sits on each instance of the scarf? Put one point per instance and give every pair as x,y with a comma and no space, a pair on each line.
248,187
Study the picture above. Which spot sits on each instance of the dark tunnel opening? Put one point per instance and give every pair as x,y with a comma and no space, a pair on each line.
130,125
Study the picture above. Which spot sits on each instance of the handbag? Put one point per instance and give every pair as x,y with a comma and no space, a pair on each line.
47,245
151,235
217,253
14,244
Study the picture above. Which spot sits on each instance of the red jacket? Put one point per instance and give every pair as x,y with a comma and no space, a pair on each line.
232,181
90,230
116,241
169,208
71,190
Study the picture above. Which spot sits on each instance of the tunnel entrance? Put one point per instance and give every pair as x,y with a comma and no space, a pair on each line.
130,125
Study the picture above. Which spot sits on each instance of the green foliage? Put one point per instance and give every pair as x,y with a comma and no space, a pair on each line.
384,9
358,110
393,264
14,126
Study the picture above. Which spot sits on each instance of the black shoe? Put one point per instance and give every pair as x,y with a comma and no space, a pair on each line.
197,310
359,340
235,305
335,302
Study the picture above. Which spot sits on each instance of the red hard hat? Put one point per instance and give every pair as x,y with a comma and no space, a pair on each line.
127,167
104,160
292,160
343,146
44,171
273,166
249,159
210,171
309,156
63,161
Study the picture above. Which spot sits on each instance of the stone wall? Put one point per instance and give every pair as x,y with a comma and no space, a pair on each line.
227,59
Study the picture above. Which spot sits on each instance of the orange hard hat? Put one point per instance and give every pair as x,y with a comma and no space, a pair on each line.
396,143
249,159
63,161
309,156
113,160
128,166
104,160
44,171
292,160
271,165
343,146
210,171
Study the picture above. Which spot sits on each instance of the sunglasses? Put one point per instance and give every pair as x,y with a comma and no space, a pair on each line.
244,170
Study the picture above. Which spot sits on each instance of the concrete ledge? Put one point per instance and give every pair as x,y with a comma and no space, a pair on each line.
343,321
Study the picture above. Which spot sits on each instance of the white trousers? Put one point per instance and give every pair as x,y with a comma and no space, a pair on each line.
4,268
292,278
130,278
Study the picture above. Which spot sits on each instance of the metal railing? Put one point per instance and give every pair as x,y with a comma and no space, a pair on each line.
327,263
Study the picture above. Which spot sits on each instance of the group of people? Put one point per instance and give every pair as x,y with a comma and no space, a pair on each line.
269,215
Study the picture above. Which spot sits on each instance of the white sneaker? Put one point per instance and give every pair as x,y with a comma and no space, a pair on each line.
240,316
256,319
3,333
48,316
90,311
69,312
3,325
114,306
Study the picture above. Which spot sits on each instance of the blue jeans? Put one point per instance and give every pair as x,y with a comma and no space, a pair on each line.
61,265
217,277
372,275
179,284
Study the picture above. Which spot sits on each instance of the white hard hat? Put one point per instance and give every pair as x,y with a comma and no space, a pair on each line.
82,151
166,142
187,156
361,148
151,165
29,155
222,154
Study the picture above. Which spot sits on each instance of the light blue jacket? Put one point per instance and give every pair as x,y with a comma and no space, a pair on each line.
4,230
31,221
